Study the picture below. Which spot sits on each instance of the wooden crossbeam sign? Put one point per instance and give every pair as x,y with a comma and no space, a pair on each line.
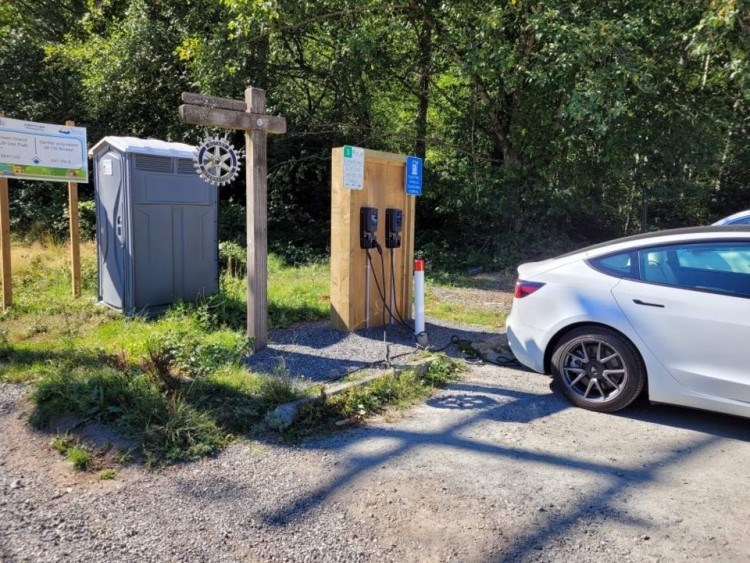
250,116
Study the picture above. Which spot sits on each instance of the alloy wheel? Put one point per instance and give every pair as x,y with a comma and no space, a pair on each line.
594,370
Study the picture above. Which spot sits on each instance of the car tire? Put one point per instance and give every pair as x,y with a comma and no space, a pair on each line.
598,369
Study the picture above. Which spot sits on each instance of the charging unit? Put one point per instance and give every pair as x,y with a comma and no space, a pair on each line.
372,239
156,225
368,227
394,219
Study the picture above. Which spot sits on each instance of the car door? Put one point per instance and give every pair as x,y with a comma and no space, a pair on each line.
691,307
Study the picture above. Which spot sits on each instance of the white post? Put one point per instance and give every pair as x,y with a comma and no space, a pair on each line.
418,297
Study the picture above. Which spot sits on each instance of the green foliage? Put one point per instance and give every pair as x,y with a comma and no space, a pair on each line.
232,224
78,454
398,390
169,419
233,258
107,475
87,218
441,371
542,125
61,443
80,457
176,385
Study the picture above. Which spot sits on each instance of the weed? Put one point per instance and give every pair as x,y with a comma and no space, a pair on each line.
61,443
107,475
396,390
441,371
6,349
80,456
278,390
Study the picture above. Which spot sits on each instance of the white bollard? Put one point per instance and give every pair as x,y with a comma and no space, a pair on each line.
418,297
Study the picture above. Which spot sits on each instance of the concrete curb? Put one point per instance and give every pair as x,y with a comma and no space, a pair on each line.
283,416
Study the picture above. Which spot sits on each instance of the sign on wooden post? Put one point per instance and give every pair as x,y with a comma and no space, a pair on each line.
250,116
75,234
5,243
41,151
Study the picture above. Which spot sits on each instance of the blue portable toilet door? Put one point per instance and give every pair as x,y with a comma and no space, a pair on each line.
111,233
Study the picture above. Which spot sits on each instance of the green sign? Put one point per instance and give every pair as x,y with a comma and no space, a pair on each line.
42,151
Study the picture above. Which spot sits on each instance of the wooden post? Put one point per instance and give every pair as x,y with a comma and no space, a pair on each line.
75,234
5,242
250,116
257,236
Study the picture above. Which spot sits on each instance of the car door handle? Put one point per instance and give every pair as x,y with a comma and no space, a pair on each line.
639,302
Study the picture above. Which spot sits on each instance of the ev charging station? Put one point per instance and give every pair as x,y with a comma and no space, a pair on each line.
372,237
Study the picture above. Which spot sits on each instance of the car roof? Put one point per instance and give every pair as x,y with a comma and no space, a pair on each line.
732,219
645,238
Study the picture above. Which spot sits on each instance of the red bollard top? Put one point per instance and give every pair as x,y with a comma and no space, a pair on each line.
419,265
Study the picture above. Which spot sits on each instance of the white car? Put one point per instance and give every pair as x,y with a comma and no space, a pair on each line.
667,311
741,218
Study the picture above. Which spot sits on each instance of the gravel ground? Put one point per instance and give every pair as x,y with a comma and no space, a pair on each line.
496,467
317,352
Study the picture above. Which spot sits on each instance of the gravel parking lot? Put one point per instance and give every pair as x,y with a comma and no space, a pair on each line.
494,468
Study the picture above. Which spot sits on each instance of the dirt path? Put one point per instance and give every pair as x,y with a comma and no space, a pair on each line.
497,467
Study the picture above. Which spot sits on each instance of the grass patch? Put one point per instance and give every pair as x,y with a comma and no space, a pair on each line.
397,390
175,385
77,454
107,475
80,456
170,417
456,312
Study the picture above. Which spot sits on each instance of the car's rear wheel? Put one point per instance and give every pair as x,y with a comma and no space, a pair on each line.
598,369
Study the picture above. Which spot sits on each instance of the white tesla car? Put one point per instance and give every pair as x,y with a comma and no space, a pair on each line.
741,218
668,311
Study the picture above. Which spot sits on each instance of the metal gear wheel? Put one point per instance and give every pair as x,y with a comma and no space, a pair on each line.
216,161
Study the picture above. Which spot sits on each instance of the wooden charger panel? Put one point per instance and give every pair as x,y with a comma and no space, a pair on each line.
383,188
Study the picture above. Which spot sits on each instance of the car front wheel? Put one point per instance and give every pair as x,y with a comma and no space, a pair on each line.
598,369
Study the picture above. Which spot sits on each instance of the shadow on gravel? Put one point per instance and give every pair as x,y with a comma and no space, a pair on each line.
714,424
496,403
319,353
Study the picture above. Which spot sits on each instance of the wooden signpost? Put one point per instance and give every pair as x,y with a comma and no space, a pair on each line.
56,162
250,116
5,242
75,234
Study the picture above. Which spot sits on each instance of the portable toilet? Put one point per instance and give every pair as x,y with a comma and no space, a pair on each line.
156,225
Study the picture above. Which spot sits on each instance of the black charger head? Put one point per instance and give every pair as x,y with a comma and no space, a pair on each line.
394,220
368,226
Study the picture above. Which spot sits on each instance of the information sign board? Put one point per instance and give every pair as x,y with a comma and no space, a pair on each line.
413,176
42,151
354,167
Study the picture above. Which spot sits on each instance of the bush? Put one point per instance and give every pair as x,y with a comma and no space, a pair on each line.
233,258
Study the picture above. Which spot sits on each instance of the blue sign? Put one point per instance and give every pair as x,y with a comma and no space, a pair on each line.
413,178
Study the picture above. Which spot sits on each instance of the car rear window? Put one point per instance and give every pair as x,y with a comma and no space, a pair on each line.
621,265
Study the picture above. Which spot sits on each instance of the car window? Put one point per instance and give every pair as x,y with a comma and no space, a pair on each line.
622,264
740,221
723,267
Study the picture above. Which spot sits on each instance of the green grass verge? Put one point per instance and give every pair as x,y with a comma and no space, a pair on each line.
465,314
175,386
397,390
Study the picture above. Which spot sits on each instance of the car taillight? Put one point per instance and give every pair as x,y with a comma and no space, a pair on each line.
524,288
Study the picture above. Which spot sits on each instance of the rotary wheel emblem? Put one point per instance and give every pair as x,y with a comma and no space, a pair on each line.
216,161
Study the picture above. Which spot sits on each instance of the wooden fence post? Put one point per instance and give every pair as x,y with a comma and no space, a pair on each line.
75,234
5,242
